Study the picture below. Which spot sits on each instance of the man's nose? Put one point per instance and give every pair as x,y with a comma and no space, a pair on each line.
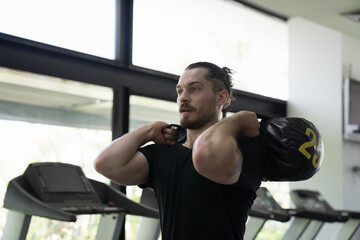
184,97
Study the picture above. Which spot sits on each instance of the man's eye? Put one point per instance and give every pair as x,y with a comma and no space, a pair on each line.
179,92
195,89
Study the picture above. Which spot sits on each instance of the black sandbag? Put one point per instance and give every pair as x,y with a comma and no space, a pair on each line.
292,149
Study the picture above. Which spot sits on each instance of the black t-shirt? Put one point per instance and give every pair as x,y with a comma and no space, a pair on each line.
194,207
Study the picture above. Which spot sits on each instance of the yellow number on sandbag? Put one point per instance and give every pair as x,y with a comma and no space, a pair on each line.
309,132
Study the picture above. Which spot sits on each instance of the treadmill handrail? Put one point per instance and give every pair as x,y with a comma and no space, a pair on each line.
20,200
268,214
351,214
321,216
120,199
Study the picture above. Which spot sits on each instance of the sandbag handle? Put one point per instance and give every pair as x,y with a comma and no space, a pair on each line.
263,116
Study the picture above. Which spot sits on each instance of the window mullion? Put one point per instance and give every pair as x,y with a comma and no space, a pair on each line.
123,31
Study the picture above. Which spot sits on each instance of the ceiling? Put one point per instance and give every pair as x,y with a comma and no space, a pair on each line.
324,12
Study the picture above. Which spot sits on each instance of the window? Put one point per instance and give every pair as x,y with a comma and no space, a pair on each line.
46,119
86,26
169,35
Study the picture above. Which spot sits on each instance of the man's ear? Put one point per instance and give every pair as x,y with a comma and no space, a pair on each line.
222,97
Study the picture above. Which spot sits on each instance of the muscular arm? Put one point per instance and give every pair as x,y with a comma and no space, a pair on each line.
216,154
122,163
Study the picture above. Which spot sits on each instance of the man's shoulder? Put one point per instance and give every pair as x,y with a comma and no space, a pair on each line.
157,146
163,149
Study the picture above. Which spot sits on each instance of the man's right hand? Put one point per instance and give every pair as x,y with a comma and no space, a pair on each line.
160,133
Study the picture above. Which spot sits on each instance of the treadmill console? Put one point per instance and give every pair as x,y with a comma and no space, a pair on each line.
266,207
61,191
310,200
63,186
311,204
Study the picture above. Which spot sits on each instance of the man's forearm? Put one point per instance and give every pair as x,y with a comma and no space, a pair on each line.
216,154
121,150
122,163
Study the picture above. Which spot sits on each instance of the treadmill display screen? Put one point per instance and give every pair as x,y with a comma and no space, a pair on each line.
314,205
263,203
61,178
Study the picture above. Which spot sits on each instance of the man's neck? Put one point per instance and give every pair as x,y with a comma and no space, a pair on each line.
193,134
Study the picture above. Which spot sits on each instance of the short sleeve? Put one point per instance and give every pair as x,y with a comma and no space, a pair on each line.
250,177
148,152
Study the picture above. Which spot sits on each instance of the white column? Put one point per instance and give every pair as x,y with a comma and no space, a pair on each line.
315,93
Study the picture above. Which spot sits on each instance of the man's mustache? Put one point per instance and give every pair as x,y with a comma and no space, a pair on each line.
186,107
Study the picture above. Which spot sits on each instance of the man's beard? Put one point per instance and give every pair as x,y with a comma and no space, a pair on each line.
191,124
203,117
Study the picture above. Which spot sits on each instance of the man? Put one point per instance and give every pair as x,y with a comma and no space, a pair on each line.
206,185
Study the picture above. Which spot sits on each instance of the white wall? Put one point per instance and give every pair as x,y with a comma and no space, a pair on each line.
315,82
351,150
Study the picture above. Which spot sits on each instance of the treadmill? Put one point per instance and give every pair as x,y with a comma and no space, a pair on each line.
350,229
61,191
311,212
263,209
